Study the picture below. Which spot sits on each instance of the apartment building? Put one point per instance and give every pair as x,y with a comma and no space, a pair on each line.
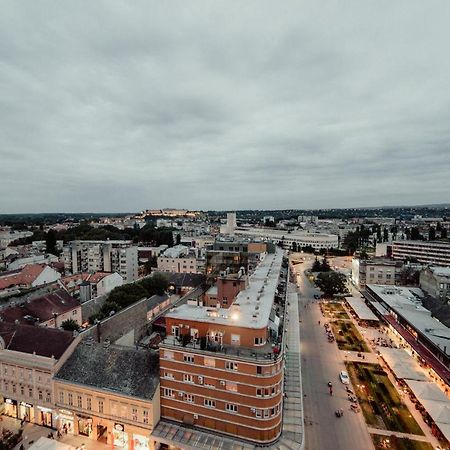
376,271
435,281
178,259
117,405
428,252
221,368
29,357
102,256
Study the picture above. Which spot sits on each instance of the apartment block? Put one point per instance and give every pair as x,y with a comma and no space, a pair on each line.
376,271
428,252
435,281
102,256
221,368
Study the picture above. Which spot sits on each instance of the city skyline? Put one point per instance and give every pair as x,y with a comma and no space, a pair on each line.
119,107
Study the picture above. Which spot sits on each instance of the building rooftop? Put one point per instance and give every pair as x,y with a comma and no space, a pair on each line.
31,339
252,306
403,301
40,309
24,276
116,369
440,271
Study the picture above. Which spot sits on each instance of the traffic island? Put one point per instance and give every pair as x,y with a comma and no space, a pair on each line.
348,337
379,400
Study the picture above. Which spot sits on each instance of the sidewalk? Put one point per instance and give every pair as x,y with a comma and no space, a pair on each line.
32,432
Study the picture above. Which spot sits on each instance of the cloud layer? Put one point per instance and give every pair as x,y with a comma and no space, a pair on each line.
122,106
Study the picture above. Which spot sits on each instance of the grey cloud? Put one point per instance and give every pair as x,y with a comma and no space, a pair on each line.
120,106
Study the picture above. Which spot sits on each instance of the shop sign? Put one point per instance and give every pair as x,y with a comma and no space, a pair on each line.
119,427
140,442
67,413
26,404
8,400
44,409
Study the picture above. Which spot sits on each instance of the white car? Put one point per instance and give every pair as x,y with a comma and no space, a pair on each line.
343,376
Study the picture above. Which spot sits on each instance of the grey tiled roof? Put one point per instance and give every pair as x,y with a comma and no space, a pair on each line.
118,369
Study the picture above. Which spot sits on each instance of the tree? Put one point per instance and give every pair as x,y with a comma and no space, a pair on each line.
178,239
431,234
317,266
70,325
325,265
50,242
444,233
331,283
415,234
385,235
379,233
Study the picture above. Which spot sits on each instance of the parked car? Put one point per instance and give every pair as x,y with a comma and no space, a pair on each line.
343,376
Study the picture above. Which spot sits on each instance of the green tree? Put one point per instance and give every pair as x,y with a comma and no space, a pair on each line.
415,234
385,235
70,325
317,266
50,242
325,266
431,234
331,283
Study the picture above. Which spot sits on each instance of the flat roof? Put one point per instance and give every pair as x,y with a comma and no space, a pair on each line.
252,306
402,364
404,303
361,309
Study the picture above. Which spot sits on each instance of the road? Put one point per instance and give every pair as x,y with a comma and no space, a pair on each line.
322,362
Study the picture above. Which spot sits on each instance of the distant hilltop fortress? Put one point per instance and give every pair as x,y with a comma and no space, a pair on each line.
170,212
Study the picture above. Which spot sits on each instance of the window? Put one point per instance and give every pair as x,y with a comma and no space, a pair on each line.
259,392
230,407
168,354
134,414
40,395
100,406
209,403
232,387
88,403
189,398
225,301
61,397
209,362
168,392
70,401
79,401
231,365
188,358
5,371
259,370
188,377
266,413
14,388
74,312
6,386
48,397
258,413
259,341
145,415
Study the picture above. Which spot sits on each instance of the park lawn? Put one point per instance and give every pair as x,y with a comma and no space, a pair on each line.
395,443
379,400
351,339
334,310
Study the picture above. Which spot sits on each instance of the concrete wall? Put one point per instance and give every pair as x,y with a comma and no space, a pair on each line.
92,306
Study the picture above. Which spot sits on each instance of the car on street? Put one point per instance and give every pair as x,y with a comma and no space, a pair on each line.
343,376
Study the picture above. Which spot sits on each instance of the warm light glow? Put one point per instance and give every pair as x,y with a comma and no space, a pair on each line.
235,316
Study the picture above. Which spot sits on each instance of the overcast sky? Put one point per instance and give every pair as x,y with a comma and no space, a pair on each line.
128,105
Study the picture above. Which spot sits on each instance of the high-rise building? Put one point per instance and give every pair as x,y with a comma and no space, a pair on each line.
102,256
428,252
221,368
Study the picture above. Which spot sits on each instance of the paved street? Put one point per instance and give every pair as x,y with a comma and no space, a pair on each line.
321,362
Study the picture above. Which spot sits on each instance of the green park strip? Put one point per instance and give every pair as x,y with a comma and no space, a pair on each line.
396,443
334,310
380,402
348,337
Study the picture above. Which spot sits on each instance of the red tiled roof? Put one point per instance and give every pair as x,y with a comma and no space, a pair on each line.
31,339
421,350
78,278
26,276
42,308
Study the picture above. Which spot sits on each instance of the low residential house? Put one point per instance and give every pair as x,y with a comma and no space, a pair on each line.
49,310
30,276
29,357
117,405
90,285
435,281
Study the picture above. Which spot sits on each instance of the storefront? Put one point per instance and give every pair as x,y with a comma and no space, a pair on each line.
10,408
26,412
120,437
65,421
140,442
84,425
45,417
